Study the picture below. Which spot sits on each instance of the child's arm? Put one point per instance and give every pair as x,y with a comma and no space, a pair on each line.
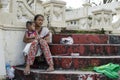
27,39
30,37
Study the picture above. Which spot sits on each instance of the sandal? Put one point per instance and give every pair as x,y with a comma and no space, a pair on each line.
26,73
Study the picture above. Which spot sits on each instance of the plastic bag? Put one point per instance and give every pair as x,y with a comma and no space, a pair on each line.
67,40
10,71
110,70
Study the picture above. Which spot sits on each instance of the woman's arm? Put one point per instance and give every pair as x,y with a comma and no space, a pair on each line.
47,38
26,39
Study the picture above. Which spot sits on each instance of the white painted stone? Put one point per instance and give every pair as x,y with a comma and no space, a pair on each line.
14,46
77,14
2,56
102,19
116,21
54,10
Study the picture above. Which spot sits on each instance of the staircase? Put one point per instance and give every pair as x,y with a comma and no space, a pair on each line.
75,62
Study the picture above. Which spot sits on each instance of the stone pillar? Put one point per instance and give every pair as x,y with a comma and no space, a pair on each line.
86,7
116,21
54,12
102,19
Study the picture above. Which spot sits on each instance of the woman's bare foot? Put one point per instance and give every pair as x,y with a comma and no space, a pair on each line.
27,70
51,68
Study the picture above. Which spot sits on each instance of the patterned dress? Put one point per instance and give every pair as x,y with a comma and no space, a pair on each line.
43,46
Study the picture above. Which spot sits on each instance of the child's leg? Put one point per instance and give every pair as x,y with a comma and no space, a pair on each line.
26,49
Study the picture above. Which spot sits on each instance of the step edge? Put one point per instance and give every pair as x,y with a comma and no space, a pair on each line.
88,44
59,71
86,57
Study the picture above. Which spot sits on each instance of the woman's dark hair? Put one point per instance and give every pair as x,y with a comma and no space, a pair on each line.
29,23
36,16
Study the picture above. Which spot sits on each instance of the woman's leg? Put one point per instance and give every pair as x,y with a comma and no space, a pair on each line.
31,56
45,49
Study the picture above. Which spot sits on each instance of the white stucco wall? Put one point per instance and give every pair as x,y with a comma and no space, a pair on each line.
13,47
2,57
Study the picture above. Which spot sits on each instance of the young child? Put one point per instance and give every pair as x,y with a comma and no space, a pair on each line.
30,33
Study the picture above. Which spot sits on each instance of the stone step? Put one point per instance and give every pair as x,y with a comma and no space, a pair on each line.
86,49
75,62
88,38
79,62
82,38
37,74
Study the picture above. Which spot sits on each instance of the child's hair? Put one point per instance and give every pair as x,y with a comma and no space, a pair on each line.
29,23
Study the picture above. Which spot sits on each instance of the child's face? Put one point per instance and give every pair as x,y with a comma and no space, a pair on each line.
31,27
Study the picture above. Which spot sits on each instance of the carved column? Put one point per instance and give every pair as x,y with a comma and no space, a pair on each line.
102,19
55,11
86,7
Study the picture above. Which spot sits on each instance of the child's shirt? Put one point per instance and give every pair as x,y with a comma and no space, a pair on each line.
31,33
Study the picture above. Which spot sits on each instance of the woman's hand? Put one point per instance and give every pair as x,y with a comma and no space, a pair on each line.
36,37
39,39
47,38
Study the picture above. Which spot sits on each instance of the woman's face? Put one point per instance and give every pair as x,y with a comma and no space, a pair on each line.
39,21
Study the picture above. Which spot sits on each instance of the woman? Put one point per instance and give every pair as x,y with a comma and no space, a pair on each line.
43,39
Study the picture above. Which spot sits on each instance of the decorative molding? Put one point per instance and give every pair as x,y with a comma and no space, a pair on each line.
26,6
47,10
55,2
24,12
102,19
11,28
57,11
